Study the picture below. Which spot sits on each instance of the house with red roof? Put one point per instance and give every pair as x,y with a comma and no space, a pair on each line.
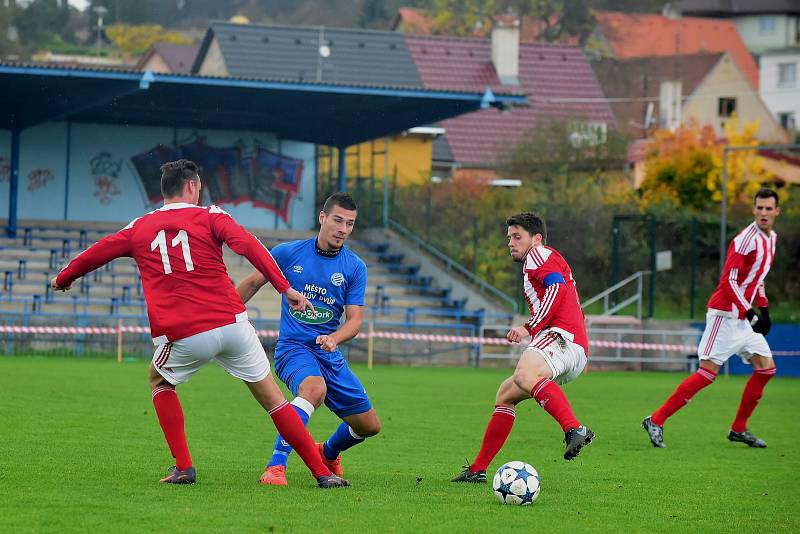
654,92
557,79
638,35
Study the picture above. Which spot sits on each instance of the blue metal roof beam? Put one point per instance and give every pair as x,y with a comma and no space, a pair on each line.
328,113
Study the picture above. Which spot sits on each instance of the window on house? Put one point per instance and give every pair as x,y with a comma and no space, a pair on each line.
726,106
588,134
767,25
787,74
787,120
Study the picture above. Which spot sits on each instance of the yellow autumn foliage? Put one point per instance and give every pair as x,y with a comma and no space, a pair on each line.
745,167
135,40
684,167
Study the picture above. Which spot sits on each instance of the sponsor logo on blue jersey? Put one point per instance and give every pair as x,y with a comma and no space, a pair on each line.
322,315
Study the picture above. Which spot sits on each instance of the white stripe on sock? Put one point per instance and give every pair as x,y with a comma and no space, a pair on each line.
304,405
352,433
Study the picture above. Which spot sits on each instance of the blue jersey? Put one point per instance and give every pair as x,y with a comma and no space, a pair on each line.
330,283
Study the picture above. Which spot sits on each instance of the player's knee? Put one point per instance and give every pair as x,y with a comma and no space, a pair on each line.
155,378
525,381
370,427
313,389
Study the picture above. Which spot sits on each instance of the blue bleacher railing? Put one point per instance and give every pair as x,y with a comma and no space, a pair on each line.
482,285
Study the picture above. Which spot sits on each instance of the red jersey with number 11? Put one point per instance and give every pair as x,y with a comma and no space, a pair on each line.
178,249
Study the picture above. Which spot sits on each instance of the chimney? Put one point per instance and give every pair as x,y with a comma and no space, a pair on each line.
505,48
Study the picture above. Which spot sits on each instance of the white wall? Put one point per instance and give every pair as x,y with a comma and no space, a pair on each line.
780,99
43,154
784,35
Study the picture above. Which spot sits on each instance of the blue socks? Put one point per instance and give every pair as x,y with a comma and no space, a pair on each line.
282,449
341,440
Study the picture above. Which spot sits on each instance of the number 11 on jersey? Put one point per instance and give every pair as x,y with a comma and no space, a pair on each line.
160,242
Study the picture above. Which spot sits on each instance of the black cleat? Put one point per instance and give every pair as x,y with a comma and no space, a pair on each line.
332,481
655,432
476,477
747,437
576,438
187,476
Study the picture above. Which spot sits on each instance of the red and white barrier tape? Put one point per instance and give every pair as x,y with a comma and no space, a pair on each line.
406,336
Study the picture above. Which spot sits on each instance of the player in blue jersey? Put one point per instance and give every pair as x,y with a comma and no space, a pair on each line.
307,356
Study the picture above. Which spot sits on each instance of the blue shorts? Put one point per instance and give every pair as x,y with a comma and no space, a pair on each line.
346,395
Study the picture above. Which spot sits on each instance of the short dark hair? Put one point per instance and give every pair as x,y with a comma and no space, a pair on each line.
530,222
341,199
174,174
766,192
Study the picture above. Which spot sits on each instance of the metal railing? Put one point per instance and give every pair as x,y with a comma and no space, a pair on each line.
451,264
605,295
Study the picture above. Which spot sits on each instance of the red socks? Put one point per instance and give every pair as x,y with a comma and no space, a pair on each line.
551,397
750,397
292,429
683,394
170,416
497,431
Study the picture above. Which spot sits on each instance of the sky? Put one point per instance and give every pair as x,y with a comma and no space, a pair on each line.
79,4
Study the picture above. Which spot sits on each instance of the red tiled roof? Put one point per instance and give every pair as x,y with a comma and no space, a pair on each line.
642,35
547,74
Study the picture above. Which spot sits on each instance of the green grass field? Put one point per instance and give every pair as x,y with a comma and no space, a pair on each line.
81,450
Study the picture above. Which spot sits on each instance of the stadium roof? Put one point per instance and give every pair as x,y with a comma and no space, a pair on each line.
327,113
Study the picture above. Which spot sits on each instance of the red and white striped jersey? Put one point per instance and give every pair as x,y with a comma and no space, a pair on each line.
178,249
749,259
552,296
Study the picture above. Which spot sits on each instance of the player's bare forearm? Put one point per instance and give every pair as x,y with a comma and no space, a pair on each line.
349,329
250,285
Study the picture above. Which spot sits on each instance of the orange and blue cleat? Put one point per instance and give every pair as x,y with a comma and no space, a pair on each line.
274,475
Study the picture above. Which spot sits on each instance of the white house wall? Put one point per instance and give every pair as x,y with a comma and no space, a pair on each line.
784,35
43,175
780,99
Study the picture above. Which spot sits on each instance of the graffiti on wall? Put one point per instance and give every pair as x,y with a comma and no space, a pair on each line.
105,172
5,169
39,178
231,175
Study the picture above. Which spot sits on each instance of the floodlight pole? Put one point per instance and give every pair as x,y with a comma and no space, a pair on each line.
723,219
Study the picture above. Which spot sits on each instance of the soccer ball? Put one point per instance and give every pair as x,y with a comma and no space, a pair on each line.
516,483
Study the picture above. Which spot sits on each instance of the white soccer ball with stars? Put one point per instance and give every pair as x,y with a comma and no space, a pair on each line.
516,483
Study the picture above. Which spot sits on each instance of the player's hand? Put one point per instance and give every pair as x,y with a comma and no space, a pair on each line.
517,334
57,287
297,301
327,343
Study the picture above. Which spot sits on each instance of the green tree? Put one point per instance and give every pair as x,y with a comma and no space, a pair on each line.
39,21
558,18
